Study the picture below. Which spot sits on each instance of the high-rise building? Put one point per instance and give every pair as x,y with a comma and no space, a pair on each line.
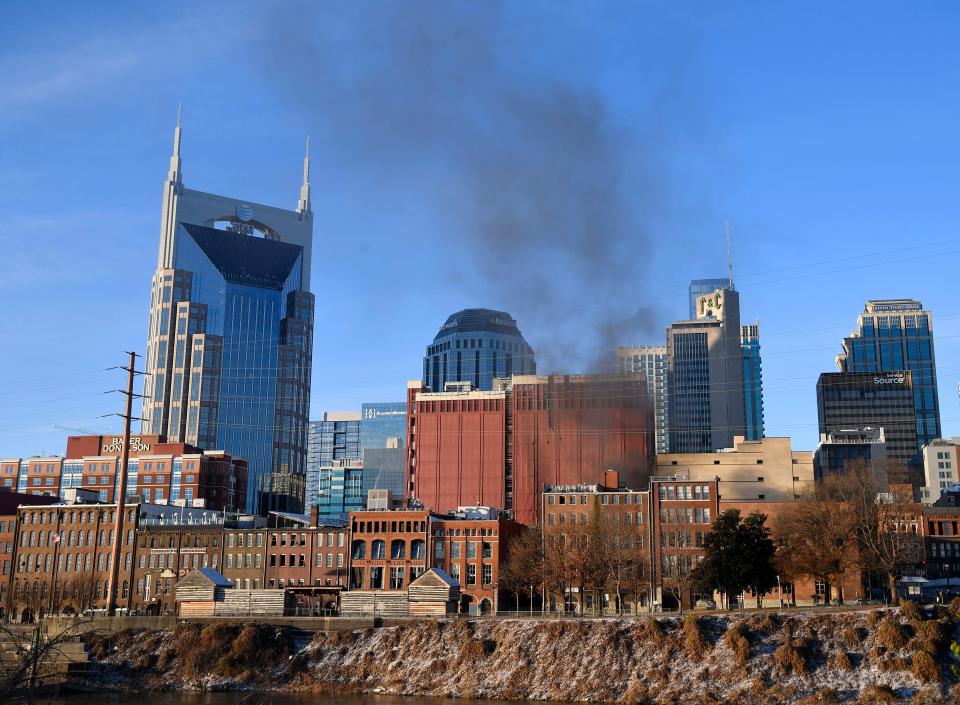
893,335
477,345
336,488
230,339
651,361
752,381
500,447
856,400
382,421
705,398
700,287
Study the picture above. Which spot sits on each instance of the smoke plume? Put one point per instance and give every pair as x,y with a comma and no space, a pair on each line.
547,206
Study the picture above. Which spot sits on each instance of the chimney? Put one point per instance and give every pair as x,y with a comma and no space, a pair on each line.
611,480
314,515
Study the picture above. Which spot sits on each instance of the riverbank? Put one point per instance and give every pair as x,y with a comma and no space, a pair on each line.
884,655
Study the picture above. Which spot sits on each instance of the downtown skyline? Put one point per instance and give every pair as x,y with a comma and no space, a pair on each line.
81,216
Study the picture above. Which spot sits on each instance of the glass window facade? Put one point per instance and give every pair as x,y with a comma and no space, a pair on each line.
651,361
477,346
752,381
897,335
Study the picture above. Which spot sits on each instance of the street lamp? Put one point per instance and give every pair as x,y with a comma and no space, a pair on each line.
779,593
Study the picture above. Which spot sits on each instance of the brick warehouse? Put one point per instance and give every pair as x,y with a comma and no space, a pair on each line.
499,448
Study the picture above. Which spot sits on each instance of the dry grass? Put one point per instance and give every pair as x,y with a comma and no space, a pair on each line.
911,611
693,641
765,623
954,608
850,637
893,663
738,642
842,661
925,668
891,634
874,617
878,694
789,659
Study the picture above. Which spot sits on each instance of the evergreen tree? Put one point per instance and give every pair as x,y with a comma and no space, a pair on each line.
738,554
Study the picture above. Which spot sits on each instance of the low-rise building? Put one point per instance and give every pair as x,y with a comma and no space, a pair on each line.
939,468
768,469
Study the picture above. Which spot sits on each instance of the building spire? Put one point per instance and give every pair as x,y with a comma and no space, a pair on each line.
304,205
729,258
174,174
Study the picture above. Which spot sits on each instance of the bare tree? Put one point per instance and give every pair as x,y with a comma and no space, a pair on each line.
816,537
678,552
37,655
523,568
885,522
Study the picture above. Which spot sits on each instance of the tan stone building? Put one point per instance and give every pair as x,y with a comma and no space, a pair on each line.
766,470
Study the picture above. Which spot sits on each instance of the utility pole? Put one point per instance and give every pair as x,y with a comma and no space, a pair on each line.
127,417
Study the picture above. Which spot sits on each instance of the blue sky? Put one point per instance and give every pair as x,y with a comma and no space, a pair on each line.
454,149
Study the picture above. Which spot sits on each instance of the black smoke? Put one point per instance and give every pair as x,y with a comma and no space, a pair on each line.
549,207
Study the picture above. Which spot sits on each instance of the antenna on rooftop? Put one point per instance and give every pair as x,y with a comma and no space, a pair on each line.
729,258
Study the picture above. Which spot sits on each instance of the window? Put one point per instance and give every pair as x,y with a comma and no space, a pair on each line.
359,550
378,550
396,578
471,549
418,549
398,549
487,549
471,574
487,574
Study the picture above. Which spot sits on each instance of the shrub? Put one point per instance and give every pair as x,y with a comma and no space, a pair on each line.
954,608
842,661
931,636
850,637
882,694
891,634
736,640
693,642
874,617
911,611
789,659
924,668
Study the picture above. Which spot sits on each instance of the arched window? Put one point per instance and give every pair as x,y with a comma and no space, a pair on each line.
378,550
398,549
418,549
359,550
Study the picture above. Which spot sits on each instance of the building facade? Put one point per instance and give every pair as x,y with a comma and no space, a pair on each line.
334,440
851,400
701,287
499,448
230,338
651,361
477,345
705,376
752,381
157,472
767,470
838,450
894,335
940,459
380,422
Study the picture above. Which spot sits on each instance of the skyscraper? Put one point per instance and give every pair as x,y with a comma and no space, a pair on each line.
893,335
847,401
752,381
699,287
651,361
230,338
705,406
477,345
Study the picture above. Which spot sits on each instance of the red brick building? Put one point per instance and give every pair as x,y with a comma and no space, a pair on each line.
159,472
390,549
9,503
499,448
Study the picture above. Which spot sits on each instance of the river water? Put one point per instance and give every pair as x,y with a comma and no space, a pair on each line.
246,698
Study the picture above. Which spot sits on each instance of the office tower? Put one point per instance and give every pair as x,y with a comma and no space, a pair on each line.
477,345
651,361
336,488
381,421
335,437
705,397
700,287
230,338
752,381
856,400
498,448
892,335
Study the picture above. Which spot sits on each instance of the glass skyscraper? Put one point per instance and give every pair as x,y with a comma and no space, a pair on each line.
894,335
705,391
651,360
230,338
477,345
380,421
752,381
